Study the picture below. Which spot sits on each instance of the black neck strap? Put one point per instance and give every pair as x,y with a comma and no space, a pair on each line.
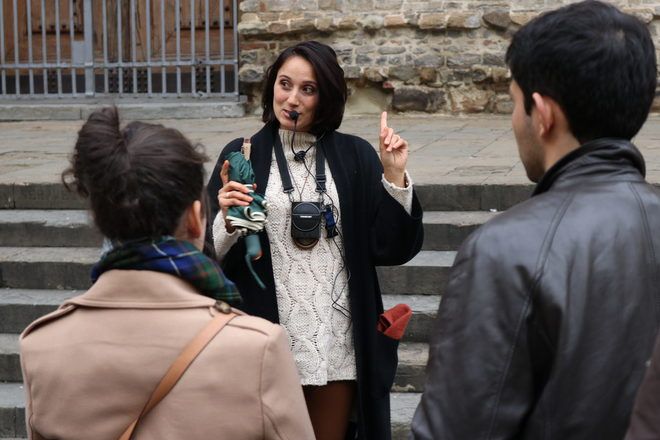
284,169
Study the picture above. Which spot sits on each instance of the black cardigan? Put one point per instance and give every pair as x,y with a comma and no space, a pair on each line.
377,231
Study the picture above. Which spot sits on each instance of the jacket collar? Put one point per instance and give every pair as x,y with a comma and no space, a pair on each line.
604,159
141,289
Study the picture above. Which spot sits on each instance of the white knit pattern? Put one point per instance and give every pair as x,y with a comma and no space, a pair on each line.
307,282
321,336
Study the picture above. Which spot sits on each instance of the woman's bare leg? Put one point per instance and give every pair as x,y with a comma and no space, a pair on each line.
329,408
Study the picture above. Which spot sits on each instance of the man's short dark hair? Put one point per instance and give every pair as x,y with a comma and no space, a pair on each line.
331,85
598,63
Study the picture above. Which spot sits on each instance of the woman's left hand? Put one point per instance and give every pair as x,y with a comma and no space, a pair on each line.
393,153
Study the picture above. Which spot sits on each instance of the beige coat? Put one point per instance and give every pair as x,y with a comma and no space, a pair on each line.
90,367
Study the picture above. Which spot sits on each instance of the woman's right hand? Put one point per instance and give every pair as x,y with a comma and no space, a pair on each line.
232,194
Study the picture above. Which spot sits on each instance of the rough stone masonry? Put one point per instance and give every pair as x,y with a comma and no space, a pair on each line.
407,55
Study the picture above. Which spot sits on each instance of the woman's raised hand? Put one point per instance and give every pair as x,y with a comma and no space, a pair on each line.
393,153
232,194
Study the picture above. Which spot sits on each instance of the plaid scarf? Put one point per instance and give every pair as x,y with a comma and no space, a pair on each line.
175,257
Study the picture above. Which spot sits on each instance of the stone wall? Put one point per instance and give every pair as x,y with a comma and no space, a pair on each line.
432,56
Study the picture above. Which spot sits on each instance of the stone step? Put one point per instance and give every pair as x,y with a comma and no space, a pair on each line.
403,406
433,197
38,196
19,307
46,267
10,364
446,230
71,228
410,375
12,412
443,230
69,268
471,196
411,370
130,109
426,274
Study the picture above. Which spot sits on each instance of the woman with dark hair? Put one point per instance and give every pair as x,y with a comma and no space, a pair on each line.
90,367
335,211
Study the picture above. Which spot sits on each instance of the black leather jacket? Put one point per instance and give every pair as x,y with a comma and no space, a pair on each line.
552,309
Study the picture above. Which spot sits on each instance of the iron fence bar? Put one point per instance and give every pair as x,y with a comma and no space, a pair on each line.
163,71
16,54
58,47
223,88
106,85
149,86
90,86
44,56
133,45
71,41
171,97
193,80
29,32
234,36
119,50
3,77
80,57
207,41
125,65
178,45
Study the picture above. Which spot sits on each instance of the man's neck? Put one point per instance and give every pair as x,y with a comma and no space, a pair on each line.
557,147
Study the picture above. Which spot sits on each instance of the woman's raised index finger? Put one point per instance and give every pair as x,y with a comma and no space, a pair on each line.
383,121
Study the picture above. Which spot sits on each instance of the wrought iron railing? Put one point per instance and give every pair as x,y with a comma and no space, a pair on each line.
118,48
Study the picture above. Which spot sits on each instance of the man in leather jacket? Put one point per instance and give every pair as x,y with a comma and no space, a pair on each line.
552,307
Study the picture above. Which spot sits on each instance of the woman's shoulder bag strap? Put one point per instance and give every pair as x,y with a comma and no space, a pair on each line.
181,364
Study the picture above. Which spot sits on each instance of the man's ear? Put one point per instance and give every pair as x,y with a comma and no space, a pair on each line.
545,114
194,220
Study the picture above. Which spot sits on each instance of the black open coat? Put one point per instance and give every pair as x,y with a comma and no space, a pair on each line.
377,231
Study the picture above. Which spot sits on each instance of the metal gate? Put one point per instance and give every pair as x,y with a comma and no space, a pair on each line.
118,48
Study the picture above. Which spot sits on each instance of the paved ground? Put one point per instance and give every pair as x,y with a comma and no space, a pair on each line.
444,149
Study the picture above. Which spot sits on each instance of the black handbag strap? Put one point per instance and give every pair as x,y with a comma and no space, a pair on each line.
284,169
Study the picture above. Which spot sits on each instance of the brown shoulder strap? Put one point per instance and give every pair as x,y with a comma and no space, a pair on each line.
246,149
179,366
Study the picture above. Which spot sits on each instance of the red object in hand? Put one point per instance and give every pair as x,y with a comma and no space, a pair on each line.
393,322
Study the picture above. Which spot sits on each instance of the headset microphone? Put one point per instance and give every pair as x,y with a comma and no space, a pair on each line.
298,156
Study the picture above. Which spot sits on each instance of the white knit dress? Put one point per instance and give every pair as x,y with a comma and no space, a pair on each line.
311,285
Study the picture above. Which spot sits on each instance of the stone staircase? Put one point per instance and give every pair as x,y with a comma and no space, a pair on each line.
47,248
